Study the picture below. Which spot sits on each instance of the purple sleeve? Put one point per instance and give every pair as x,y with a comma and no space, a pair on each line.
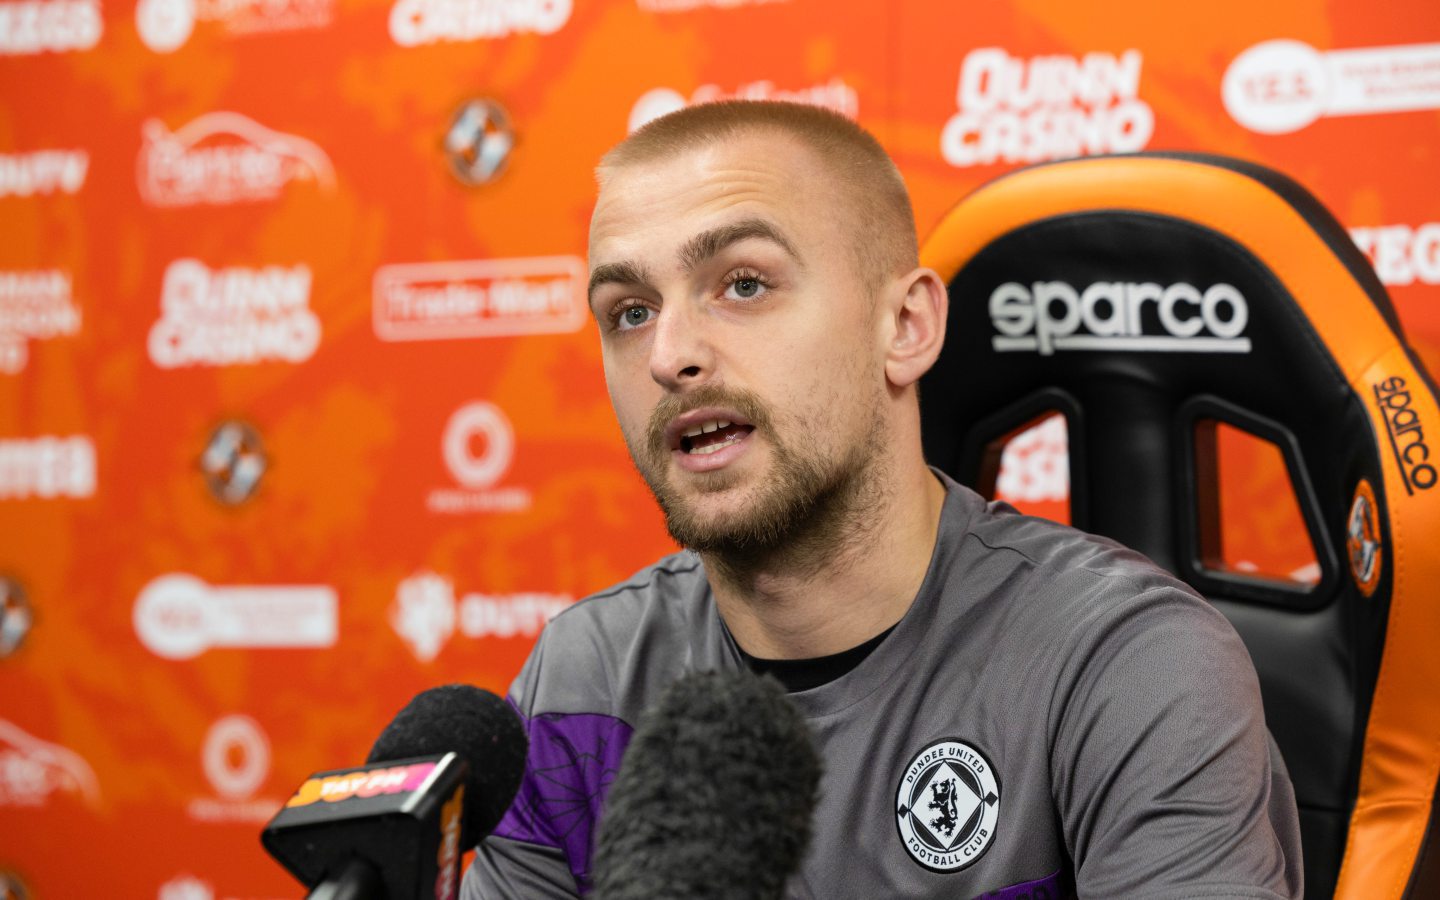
573,759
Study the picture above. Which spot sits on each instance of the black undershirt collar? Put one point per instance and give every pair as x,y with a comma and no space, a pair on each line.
803,674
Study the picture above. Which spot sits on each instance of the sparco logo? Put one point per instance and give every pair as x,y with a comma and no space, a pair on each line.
223,158
1407,434
35,26
414,22
1048,107
1047,316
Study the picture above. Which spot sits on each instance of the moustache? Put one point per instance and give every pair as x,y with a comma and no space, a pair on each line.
745,403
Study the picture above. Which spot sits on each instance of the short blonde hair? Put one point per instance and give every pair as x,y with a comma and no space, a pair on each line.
884,222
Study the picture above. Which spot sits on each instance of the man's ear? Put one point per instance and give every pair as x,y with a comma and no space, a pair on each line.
917,329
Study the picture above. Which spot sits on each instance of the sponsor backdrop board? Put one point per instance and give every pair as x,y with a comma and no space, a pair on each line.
300,408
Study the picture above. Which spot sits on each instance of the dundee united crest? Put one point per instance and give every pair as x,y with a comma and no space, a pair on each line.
947,806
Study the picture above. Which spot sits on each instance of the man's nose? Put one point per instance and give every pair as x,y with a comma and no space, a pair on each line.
681,356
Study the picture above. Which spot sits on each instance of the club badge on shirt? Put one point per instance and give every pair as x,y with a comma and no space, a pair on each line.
947,805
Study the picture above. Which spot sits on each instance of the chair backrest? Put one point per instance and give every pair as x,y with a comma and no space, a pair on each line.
1148,297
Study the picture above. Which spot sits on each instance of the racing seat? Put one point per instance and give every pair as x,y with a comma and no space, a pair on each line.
1146,298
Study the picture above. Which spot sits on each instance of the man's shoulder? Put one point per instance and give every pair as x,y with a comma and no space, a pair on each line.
610,651
660,588
1062,581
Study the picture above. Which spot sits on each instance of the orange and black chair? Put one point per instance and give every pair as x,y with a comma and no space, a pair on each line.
1147,298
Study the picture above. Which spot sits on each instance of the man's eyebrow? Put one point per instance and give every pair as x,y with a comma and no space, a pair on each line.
617,273
708,244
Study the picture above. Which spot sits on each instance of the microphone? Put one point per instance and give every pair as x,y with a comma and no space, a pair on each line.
438,779
714,797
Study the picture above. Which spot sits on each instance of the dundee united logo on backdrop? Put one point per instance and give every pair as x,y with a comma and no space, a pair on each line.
479,141
15,615
947,806
233,462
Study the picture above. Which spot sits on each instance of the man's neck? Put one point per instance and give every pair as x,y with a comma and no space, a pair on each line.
799,608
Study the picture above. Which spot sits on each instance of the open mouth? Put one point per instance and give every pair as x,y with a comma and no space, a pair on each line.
705,438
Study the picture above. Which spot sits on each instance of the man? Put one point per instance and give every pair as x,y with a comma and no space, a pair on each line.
1003,704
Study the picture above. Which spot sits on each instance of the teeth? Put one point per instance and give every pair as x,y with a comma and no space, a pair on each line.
707,427
713,447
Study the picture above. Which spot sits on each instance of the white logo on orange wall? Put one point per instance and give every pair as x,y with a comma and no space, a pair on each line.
479,298
186,887
1014,110
426,614
47,467
415,22
179,616
38,26
1402,254
165,25
31,770
233,316
235,758
1282,86
834,94
35,304
223,158
40,173
1035,465
478,446
669,6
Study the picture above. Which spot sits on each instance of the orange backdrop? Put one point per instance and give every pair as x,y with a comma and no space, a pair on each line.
300,411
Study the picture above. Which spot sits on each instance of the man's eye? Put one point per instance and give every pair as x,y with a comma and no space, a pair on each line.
745,287
633,317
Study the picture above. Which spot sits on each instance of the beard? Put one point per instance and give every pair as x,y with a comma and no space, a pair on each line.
808,505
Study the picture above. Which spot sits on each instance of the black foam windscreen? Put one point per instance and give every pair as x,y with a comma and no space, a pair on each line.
482,728
715,796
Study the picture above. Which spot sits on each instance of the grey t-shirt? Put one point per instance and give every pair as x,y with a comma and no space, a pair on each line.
1053,715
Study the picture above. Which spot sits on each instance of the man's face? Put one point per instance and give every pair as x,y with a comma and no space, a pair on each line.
740,341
